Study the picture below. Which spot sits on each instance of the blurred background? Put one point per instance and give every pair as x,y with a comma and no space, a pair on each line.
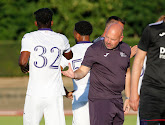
16,19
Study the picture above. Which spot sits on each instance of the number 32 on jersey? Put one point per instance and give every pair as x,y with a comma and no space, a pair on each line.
42,52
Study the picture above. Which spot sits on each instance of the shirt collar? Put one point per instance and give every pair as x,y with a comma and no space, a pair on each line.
45,29
83,42
102,38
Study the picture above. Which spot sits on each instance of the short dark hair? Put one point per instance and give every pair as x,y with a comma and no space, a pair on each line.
115,18
44,16
83,28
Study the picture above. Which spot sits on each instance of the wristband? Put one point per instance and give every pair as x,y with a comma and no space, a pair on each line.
126,97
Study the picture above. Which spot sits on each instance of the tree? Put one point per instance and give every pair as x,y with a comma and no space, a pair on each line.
139,13
17,15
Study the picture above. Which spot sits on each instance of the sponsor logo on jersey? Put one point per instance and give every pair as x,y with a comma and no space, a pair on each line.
162,53
123,54
162,34
105,55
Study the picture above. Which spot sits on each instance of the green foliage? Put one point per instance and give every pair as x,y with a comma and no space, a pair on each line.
17,15
131,41
67,13
139,13
9,59
17,19
13,19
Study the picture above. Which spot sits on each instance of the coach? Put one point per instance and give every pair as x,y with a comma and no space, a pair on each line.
108,62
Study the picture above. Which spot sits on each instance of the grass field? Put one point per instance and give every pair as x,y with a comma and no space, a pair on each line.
17,120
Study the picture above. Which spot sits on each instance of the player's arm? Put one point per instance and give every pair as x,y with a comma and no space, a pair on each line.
63,64
133,51
81,72
136,71
78,74
23,61
68,55
126,106
68,94
67,51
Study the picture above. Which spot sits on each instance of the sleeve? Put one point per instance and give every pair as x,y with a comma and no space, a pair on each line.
66,44
26,43
145,39
89,58
128,64
64,62
129,57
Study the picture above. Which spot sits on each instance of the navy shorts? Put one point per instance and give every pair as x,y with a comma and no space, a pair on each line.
106,112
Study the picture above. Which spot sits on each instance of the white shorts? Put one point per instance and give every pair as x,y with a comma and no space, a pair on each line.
138,118
80,113
50,107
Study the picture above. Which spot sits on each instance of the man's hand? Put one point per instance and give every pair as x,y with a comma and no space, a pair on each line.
126,107
23,61
133,51
69,73
25,69
70,95
134,102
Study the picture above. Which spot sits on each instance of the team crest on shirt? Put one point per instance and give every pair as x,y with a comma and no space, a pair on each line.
162,34
105,55
123,54
162,53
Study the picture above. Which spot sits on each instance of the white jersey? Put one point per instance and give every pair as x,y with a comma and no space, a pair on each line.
81,86
46,48
139,86
142,74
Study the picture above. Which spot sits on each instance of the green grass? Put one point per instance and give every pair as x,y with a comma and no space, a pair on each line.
130,120
17,120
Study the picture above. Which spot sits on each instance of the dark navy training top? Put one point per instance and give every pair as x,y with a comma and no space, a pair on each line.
153,42
108,69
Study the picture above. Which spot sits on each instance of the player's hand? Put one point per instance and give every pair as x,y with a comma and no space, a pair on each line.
134,102
69,73
126,107
70,95
133,51
25,69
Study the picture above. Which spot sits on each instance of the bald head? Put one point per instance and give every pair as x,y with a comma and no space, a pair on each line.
112,22
115,28
113,35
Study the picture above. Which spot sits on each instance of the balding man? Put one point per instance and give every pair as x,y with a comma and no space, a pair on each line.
108,61
111,20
